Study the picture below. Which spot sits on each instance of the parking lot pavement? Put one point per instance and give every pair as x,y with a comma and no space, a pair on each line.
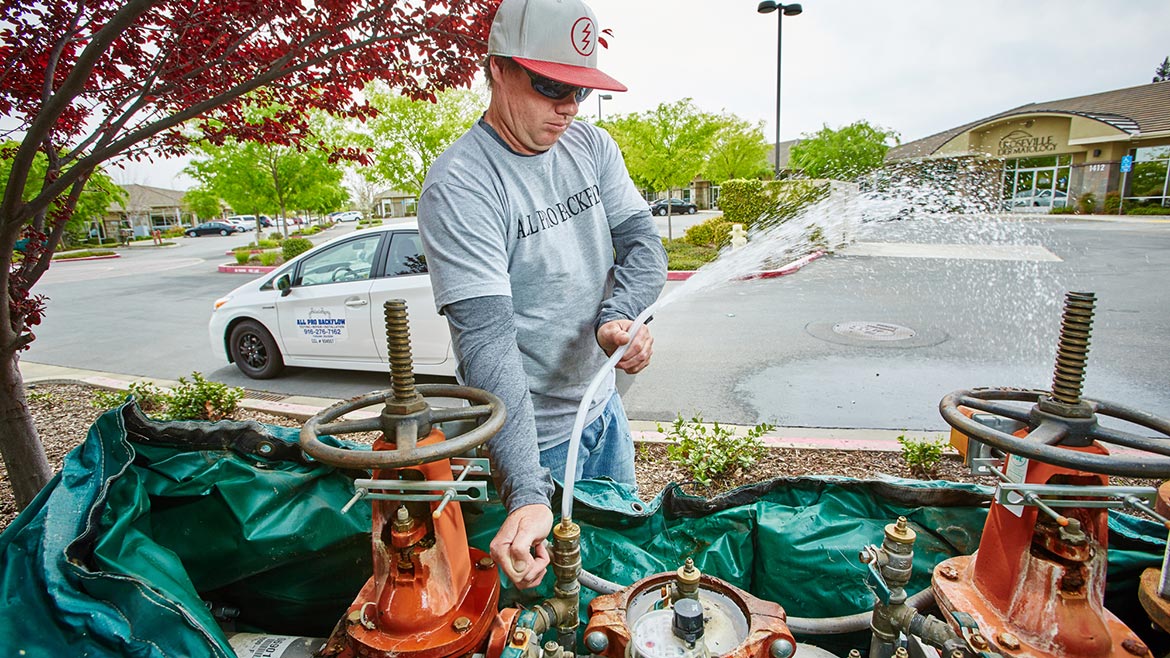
674,226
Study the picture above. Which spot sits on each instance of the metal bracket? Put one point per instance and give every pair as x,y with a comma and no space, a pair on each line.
872,556
1110,497
428,490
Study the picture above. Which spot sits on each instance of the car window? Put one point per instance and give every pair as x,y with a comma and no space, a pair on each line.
405,255
352,260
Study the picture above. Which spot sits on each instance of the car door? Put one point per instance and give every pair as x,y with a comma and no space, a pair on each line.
328,315
405,277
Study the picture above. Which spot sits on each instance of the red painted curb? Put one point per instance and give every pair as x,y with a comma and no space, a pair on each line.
683,275
66,260
228,268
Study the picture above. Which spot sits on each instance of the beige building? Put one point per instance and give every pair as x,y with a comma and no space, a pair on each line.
146,208
1053,153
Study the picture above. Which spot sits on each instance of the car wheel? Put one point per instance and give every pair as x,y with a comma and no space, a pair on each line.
254,351
224,231
191,234
692,210
661,212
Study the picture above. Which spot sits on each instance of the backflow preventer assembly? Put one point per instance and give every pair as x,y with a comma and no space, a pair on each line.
1034,588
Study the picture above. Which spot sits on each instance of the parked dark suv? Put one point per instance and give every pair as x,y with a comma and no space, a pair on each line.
677,207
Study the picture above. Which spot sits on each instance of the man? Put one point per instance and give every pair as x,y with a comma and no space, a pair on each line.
541,252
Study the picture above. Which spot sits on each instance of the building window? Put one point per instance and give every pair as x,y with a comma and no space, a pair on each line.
1149,183
1036,184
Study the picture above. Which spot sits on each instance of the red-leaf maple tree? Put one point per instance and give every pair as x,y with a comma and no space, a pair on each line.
90,82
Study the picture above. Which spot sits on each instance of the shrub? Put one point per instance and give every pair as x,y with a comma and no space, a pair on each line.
151,399
268,258
711,452
293,247
715,233
1087,203
1112,203
200,399
275,237
1064,210
1148,210
242,256
743,201
681,255
922,456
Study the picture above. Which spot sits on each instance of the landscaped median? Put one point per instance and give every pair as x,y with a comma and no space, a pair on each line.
86,254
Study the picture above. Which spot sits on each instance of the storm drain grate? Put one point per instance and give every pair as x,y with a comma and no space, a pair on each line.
264,395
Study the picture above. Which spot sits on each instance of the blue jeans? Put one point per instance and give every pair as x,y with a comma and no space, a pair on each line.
607,448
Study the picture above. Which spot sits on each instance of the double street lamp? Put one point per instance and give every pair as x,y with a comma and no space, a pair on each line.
767,7
602,97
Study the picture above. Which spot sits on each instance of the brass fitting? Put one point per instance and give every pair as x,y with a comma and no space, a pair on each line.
566,601
687,582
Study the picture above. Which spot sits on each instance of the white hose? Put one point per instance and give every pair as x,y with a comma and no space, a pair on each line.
583,410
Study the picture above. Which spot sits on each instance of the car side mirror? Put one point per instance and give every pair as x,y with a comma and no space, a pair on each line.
284,285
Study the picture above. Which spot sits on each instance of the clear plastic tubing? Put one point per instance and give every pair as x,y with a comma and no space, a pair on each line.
583,410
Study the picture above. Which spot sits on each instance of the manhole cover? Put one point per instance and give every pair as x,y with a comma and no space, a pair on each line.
882,331
263,395
875,335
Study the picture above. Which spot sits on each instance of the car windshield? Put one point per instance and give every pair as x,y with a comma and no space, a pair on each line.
349,261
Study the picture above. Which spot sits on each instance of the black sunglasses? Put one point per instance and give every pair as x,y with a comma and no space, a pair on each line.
556,90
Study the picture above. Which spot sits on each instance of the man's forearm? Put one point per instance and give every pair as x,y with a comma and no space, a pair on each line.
485,344
640,270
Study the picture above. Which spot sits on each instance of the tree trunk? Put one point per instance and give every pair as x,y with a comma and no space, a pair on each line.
24,456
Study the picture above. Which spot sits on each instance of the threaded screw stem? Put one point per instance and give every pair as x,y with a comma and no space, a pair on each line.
1072,352
398,345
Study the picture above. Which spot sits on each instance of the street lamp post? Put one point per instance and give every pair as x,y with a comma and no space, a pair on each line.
767,7
602,97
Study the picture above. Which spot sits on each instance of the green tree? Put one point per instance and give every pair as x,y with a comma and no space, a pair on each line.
667,147
1162,73
740,150
843,154
100,192
408,135
203,202
258,178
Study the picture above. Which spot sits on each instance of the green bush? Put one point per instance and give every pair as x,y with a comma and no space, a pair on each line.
1148,210
200,399
1112,203
922,456
715,233
151,399
242,256
294,247
268,258
707,453
1087,203
1063,210
743,201
681,255
275,237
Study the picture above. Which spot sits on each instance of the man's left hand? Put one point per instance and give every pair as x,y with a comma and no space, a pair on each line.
614,334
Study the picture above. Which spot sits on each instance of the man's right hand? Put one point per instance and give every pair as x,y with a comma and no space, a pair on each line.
519,546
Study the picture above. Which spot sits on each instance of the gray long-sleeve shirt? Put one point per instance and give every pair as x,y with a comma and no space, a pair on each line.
529,255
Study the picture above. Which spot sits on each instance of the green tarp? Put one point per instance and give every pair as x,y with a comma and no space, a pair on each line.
151,527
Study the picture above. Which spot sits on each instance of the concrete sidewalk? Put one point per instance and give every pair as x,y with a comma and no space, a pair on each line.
302,407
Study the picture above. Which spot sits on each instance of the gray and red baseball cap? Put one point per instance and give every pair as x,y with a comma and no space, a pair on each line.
556,39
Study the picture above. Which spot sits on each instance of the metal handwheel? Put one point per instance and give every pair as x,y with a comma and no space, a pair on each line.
1049,431
404,429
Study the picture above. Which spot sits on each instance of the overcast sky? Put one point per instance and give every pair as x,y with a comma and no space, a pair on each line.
915,66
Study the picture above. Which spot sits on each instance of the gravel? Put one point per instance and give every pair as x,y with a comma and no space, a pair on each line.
64,412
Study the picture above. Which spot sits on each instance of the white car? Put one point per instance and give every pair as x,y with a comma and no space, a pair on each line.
244,222
348,216
324,309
